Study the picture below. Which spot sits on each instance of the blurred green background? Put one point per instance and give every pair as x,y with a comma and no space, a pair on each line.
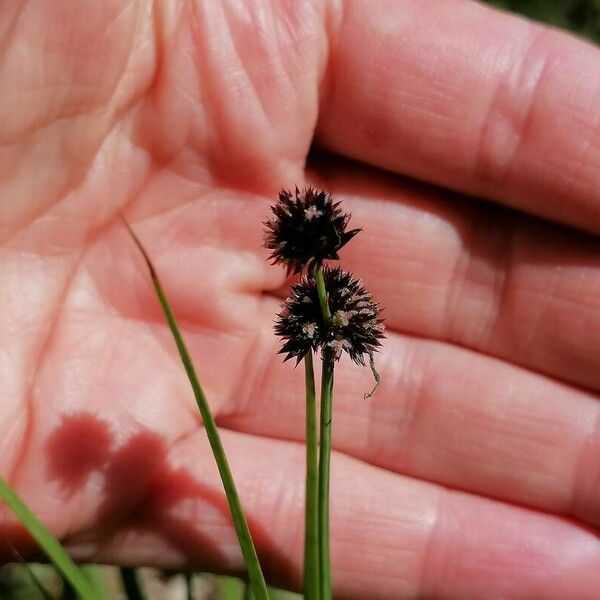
580,16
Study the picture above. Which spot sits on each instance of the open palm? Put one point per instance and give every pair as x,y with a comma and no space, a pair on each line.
474,472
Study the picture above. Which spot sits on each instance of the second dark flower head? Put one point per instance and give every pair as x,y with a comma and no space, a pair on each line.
356,325
307,227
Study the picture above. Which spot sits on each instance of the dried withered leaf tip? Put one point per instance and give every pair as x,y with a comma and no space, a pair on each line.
307,227
356,325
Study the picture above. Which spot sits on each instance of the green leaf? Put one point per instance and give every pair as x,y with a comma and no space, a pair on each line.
255,575
49,544
24,581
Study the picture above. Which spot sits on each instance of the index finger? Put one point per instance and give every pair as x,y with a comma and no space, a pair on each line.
469,98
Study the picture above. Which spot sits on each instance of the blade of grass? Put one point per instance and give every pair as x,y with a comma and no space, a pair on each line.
255,575
27,581
37,583
311,506
248,593
131,583
49,544
31,573
95,575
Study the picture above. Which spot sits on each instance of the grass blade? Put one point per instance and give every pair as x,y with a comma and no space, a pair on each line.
255,575
31,573
95,575
37,582
311,506
49,544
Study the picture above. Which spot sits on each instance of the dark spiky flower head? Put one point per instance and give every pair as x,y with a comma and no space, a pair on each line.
307,228
356,325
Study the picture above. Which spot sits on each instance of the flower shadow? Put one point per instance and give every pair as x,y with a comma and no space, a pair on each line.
140,493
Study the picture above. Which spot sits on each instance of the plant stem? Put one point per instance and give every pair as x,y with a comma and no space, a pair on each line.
255,575
311,519
49,544
322,295
325,446
94,574
324,467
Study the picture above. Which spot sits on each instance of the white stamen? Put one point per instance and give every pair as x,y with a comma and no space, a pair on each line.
311,212
341,318
309,330
337,346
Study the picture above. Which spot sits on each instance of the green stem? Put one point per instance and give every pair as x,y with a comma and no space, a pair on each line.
311,520
325,446
93,573
255,575
48,543
324,469
322,295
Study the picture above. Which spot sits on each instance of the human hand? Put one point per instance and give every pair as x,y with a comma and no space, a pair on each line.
473,471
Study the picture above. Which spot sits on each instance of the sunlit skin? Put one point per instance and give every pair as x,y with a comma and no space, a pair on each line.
474,471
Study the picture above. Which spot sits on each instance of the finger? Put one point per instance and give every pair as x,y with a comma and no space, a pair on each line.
441,414
477,276
466,97
392,537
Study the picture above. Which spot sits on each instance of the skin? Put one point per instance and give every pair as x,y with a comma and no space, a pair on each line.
474,472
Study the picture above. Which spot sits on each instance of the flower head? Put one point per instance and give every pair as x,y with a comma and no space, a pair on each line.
355,327
307,227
